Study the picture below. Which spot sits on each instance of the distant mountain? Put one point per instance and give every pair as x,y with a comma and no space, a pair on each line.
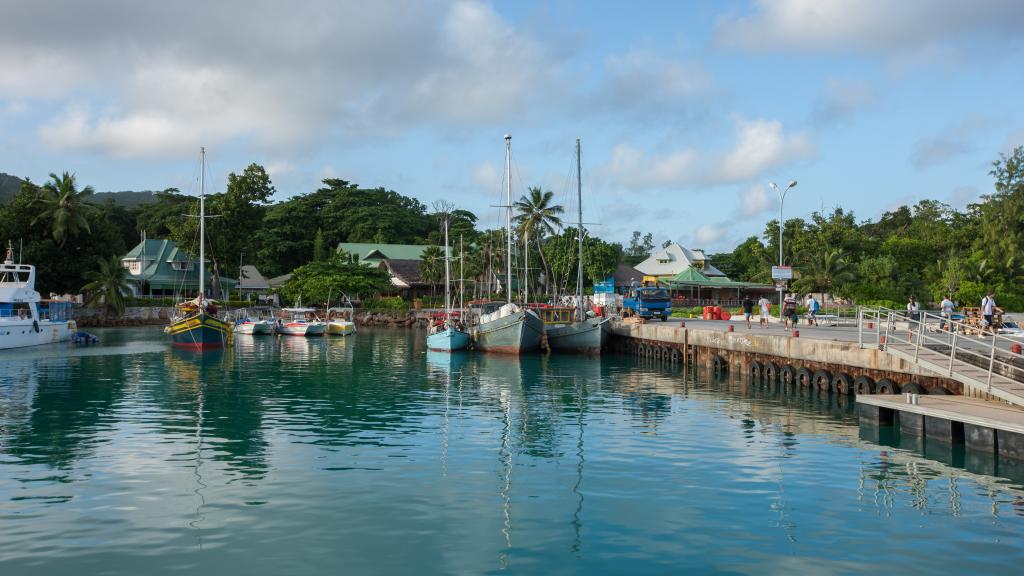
9,186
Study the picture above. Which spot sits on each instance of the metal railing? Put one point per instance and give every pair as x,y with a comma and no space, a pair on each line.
955,339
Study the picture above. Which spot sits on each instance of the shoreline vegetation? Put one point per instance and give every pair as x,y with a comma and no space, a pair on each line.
928,249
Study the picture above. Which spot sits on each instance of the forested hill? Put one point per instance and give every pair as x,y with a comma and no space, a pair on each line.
9,186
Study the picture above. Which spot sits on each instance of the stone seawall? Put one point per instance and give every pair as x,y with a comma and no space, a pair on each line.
133,316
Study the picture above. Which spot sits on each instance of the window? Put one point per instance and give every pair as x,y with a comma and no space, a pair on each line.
179,266
133,266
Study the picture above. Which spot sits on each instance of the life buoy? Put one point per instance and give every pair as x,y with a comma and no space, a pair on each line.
842,384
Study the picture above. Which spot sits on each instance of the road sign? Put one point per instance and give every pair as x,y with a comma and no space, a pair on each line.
781,284
782,272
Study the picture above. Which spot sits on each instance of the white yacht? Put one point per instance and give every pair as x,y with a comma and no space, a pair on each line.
22,321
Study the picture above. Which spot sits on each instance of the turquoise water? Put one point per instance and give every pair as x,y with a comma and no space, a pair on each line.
368,455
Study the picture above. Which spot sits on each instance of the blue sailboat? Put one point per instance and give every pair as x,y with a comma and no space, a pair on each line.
445,332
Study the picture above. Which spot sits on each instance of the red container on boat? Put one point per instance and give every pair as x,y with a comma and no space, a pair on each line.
708,312
598,310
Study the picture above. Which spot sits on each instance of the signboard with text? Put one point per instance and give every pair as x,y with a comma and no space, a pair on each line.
782,272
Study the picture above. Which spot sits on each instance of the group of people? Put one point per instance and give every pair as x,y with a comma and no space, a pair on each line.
789,310
989,309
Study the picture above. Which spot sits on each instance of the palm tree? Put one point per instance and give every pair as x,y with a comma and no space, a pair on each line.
537,216
63,206
828,269
108,284
432,267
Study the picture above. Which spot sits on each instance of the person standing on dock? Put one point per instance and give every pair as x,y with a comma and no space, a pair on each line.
789,311
946,306
748,309
913,312
812,310
766,310
988,310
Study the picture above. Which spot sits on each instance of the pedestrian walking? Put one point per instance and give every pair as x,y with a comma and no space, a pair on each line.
988,311
947,306
812,310
789,311
748,309
766,311
913,313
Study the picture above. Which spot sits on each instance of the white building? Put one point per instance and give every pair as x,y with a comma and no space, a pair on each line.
673,259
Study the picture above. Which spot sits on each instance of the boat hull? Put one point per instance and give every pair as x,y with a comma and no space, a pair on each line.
586,337
22,334
199,332
340,328
293,329
448,340
513,334
254,328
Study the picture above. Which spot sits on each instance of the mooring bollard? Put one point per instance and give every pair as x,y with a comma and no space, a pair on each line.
1015,348
871,325
796,333
731,328
881,339
682,323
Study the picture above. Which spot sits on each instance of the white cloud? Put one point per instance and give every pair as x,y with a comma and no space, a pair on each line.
487,176
755,200
708,236
759,146
145,79
866,26
641,82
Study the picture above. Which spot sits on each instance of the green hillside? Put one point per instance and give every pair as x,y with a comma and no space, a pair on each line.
9,186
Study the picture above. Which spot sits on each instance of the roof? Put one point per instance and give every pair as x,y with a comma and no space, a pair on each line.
693,277
278,281
404,273
156,257
380,252
625,274
251,279
673,259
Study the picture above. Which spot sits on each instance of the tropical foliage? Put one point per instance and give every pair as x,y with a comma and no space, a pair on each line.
314,283
108,286
62,207
927,250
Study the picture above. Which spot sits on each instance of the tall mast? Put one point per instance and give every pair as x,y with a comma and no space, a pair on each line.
447,276
202,223
462,277
579,222
508,220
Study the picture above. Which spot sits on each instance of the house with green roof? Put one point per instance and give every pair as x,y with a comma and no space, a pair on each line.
696,288
374,254
160,268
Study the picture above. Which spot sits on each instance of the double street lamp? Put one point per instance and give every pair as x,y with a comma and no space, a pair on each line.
782,200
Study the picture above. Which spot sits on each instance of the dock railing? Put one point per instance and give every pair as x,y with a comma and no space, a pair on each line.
960,343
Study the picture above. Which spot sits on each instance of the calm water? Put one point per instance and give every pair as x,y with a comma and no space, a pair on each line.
368,455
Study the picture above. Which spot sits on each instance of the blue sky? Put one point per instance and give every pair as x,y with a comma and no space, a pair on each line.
685,109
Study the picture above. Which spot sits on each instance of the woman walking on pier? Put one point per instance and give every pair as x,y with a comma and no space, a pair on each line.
789,311
766,311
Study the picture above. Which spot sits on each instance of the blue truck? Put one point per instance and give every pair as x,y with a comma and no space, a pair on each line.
647,302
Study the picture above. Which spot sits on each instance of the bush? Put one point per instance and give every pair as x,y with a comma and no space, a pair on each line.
891,304
386,304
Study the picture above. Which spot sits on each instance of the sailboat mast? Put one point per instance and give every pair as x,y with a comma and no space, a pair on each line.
508,220
462,277
447,275
579,222
202,222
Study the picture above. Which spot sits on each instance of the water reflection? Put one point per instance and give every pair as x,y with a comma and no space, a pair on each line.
476,462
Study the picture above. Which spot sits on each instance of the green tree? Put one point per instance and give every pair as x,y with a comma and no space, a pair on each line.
319,248
432,266
317,281
62,207
108,285
829,272
536,217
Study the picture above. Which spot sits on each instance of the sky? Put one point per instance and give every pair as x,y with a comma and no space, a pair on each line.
686,110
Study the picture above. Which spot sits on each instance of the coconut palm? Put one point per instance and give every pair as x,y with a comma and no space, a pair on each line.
108,285
432,267
63,207
537,216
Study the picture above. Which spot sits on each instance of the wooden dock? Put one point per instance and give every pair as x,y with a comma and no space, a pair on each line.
982,425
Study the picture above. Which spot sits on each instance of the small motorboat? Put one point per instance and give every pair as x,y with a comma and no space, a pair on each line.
300,322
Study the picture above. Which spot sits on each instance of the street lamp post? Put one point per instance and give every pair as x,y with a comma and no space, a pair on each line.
782,200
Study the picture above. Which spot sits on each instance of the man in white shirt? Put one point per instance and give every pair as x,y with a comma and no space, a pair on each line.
765,307
988,310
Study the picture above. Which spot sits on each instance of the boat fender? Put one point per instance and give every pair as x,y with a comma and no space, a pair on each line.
771,372
719,365
756,372
35,326
822,379
864,385
842,384
939,391
657,352
675,355
788,374
886,386
914,388
804,377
